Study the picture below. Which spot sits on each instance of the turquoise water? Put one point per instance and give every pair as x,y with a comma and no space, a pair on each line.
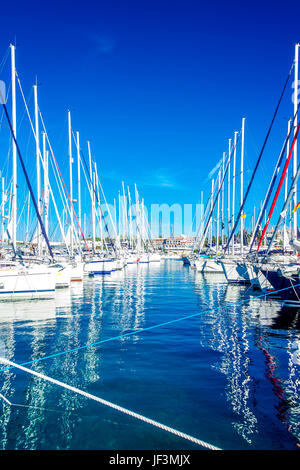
228,376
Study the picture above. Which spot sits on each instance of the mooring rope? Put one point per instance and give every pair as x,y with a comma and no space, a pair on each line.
22,405
112,405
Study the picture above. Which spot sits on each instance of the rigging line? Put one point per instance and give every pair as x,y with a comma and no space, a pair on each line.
33,131
98,197
40,155
98,202
176,320
272,184
112,222
90,192
71,202
138,227
279,187
217,195
201,225
21,405
28,183
258,160
114,406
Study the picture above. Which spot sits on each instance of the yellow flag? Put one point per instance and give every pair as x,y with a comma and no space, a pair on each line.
296,207
243,216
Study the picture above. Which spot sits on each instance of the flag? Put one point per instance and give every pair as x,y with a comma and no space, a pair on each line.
243,216
296,207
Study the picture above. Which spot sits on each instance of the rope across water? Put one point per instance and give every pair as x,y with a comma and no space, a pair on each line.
112,405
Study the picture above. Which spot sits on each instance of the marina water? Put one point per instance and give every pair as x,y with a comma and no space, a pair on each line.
228,374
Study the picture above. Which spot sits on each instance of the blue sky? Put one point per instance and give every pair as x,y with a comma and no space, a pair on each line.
158,87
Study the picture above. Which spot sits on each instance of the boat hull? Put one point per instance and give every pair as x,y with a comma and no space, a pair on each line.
26,283
235,272
101,266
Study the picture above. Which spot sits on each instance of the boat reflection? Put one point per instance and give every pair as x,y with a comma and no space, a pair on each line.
238,313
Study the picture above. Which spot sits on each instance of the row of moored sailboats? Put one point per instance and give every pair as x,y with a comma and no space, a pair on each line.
37,267
267,260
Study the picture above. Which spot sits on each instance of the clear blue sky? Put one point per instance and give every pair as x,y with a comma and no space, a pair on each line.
158,87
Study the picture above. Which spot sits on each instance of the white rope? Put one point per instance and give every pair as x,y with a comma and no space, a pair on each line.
113,405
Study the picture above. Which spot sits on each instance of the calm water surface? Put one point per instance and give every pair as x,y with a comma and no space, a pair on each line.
228,376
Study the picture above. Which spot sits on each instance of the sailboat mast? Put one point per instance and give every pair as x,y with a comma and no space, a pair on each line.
201,212
38,169
78,179
228,195
295,225
14,148
119,217
71,182
222,204
92,198
125,217
130,220
99,207
286,180
233,187
138,234
211,208
2,208
242,185
46,183
218,212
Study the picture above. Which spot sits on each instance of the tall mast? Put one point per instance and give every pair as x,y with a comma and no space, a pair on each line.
143,221
98,200
295,225
218,212
46,184
211,207
286,179
14,148
115,215
222,204
130,219
233,187
71,182
125,218
78,179
92,197
201,212
119,217
38,169
242,184
228,195
2,208
137,218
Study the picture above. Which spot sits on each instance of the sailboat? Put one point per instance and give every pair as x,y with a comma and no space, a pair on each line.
20,278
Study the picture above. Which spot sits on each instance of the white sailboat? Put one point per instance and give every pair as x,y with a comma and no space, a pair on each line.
17,279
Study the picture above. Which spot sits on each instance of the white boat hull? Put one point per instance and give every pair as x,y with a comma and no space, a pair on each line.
199,264
143,258
27,282
154,257
77,272
235,272
100,266
211,266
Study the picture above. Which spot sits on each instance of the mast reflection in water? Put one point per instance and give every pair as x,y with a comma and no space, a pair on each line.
229,376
